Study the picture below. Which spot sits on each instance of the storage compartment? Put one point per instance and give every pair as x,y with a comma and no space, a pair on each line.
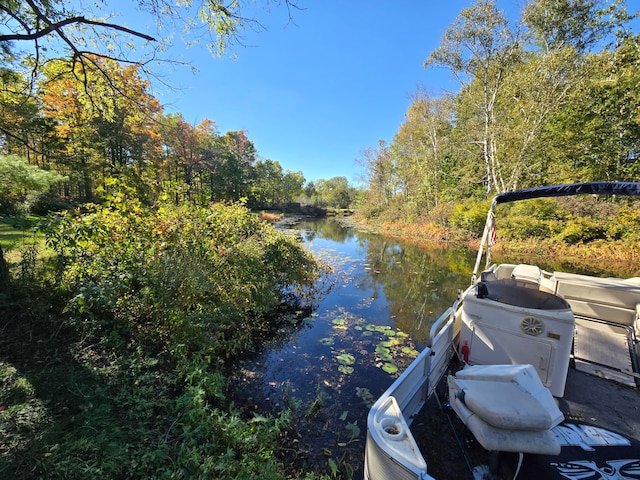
508,322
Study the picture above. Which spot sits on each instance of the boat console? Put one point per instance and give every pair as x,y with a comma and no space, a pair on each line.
511,321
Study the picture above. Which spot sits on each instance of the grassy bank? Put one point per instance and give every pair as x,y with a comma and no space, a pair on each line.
590,236
116,350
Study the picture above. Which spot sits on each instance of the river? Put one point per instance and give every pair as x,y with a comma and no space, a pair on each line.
364,331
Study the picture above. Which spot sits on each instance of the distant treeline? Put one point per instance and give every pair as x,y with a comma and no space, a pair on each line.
91,122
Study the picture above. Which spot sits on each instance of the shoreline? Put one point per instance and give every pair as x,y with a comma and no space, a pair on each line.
599,257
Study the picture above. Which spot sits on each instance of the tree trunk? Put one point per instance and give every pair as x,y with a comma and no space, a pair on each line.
4,273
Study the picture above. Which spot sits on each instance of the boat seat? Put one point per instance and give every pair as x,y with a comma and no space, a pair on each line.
506,407
527,273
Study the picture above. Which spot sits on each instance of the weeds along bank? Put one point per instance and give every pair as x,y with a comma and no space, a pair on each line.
114,355
592,233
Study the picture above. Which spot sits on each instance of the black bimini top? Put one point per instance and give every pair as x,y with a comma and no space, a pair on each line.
588,188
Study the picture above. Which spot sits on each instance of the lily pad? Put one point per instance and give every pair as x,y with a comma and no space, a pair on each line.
346,369
339,323
385,357
366,396
412,352
390,368
327,341
346,359
382,350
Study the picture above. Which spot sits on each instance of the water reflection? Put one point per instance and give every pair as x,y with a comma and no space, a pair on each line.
364,332
415,284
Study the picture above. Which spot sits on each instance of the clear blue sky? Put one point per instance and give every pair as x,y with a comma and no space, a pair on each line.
313,95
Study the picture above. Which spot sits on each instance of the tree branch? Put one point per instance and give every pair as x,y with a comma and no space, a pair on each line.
56,27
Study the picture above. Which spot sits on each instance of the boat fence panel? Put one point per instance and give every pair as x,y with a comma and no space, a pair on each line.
408,393
379,465
416,384
442,353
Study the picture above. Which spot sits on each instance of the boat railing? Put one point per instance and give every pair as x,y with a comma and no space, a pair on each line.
396,455
437,325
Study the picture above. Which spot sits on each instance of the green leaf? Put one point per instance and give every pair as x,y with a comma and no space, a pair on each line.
390,368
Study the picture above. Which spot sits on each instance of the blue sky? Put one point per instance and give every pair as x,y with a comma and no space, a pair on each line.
315,94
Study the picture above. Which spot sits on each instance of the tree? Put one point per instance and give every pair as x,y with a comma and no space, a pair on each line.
419,149
34,33
18,179
380,172
70,31
479,47
268,185
597,134
101,134
533,94
191,157
292,183
580,24
337,192
234,173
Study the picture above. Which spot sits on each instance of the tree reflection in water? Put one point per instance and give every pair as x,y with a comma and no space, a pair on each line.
364,332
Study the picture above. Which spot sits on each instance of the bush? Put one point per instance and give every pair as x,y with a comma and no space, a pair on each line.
470,216
178,277
159,299
581,230
625,225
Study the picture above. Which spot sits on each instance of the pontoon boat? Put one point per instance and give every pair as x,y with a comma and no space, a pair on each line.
534,375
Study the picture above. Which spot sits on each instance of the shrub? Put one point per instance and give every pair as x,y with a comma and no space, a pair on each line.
159,299
625,224
177,277
582,229
470,216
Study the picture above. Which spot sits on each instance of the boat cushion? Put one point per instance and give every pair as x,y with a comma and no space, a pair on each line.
505,405
543,442
507,396
529,273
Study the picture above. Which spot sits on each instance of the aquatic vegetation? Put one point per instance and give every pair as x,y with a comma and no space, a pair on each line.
367,397
410,351
390,368
339,323
346,359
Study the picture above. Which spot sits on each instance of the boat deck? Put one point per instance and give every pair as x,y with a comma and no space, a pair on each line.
589,401
604,350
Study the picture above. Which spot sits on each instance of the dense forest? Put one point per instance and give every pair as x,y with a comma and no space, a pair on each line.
97,121
91,115
550,97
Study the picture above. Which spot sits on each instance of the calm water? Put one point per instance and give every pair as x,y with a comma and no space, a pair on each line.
384,297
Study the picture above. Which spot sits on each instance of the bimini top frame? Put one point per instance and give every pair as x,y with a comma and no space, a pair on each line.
563,190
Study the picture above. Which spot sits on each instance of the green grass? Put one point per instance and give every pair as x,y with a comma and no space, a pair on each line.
18,233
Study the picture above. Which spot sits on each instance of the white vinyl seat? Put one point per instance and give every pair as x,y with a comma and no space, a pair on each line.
506,407
528,273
